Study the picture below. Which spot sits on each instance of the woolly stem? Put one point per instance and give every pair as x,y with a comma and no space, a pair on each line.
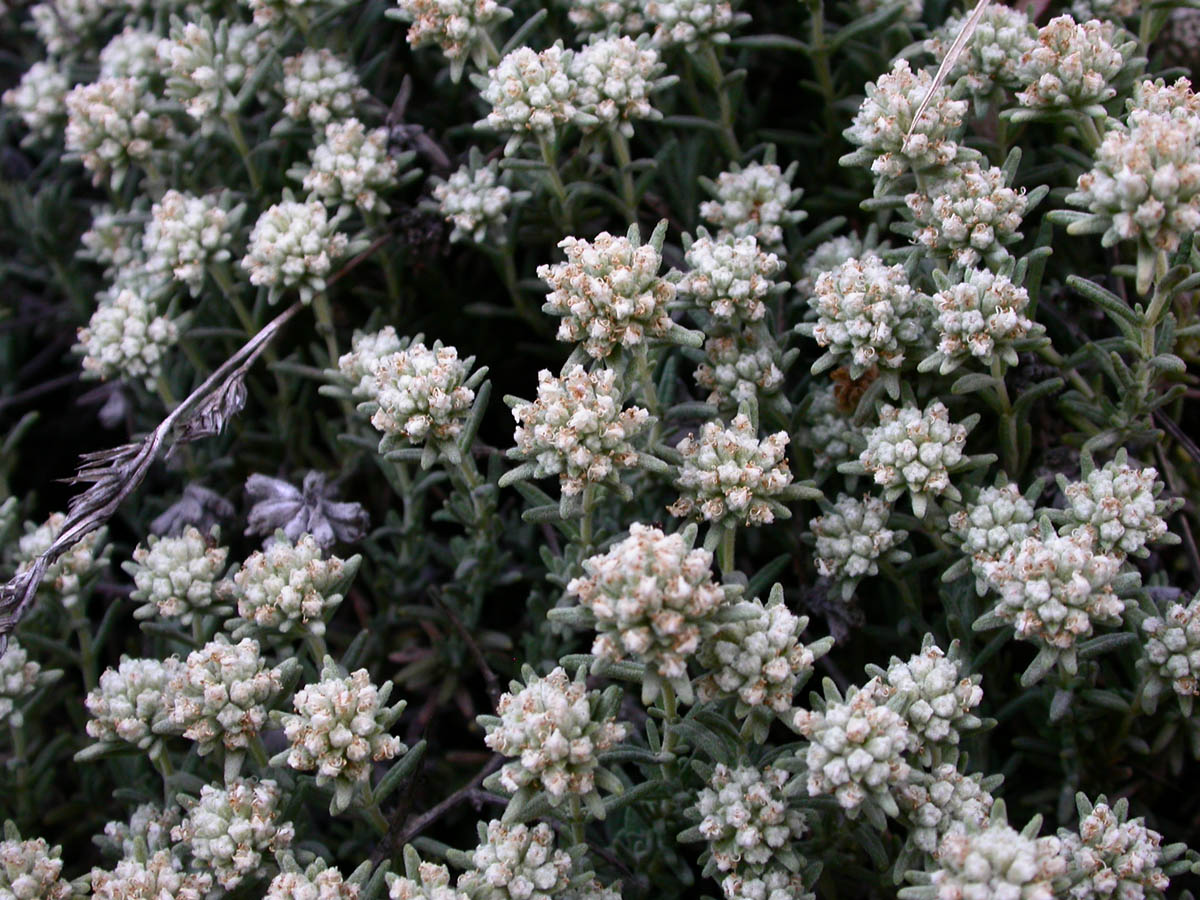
371,811
585,523
1008,424
385,261
577,835
243,149
727,547
717,78
556,182
620,145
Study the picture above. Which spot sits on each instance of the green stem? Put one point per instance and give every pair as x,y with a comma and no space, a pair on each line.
577,835
1089,132
1055,358
503,257
727,547
20,751
1008,423
258,752
620,145
385,261
81,625
221,276
316,648
585,524
820,61
243,149
717,79
556,182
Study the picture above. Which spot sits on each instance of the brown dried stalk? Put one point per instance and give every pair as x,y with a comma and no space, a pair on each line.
951,57
116,473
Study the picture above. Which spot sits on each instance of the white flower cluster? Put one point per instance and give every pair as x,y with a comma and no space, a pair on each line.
367,350
996,861
289,588
276,13
131,54
459,27
340,728
609,293
756,201
32,870
132,701
1119,505
555,728
886,116
516,862
186,233
148,824
233,831
851,537
430,881
740,367
1145,184
827,256
603,16
421,393
206,66
691,22
110,127
1054,588
942,800
730,473
294,244
746,818
614,78
829,432
1071,65
67,575
916,451
114,240
531,92
160,875
991,57
19,675
867,315
577,430
651,595
475,201
996,519
594,890
174,577
730,277
979,317
61,23
319,86
938,699
220,695
126,338
40,99
969,214
1104,9
318,882
1119,857
857,748
759,656
1157,98
351,165
1172,652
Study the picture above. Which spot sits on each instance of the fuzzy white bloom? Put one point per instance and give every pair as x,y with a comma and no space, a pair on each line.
555,729
942,800
148,824
939,699
829,432
19,675
174,577
857,748
516,862
1118,505
1071,65
852,536
126,338
220,695
368,349
740,367
730,277
609,293
60,24
114,240
827,256
990,59
531,93
432,882
326,884
594,890
1054,588
867,315
110,127
886,115
1119,857
206,65
68,574
185,234
651,594
40,99
475,202
969,214
32,870
730,472
691,22
294,245
1172,651
459,27
775,884
320,87
1104,9
916,451
339,730
233,831
1145,185
614,78
745,816
276,13
600,16
131,54
755,201
577,430
421,393
995,520
289,587
158,877
978,318
351,165
1157,98
132,701
997,862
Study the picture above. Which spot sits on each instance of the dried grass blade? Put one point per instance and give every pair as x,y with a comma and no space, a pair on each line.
948,61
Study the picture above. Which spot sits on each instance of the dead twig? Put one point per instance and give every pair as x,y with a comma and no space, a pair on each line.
464,793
